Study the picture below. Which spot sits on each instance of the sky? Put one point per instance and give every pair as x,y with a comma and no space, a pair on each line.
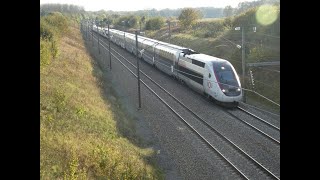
134,5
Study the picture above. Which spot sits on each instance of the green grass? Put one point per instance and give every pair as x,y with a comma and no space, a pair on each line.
79,135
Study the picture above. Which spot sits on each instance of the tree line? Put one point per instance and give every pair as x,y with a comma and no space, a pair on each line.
151,19
62,8
246,5
206,12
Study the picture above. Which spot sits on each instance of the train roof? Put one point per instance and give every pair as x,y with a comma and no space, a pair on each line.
148,41
145,39
205,58
172,48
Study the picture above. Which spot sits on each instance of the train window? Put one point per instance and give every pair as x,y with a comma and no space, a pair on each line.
225,74
209,75
191,75
198,63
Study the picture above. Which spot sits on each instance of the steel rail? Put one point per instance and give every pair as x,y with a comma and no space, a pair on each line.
199,118
259,118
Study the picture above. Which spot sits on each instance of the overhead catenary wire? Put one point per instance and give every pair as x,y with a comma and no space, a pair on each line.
260,109
169,67
186,107
243,175
162,44
164,65
237,45
263,46
268,69
124,58
115,51
196,114
219,83
271,87
241,47
264,83
269,35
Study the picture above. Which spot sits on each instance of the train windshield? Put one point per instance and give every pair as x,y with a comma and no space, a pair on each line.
225,75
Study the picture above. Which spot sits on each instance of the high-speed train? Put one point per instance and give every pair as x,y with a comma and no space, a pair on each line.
214,77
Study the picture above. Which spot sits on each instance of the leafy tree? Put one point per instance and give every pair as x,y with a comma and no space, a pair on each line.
58,22
115,16
46,31
133,21
207,12
127,21
244,6
63,8
228,11
143,19
247,19
154,23
107,21
188,17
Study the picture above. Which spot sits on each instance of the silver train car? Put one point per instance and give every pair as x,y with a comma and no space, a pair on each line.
214,77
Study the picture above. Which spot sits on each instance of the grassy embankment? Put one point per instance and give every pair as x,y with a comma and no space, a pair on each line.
217,37
79,128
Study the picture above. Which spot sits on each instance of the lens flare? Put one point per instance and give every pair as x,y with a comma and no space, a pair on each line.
266,14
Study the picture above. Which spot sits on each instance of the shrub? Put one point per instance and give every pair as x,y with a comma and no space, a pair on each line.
46,31
188,17
54,48
58,22
45,53
154,23
127,21
209,29
52,27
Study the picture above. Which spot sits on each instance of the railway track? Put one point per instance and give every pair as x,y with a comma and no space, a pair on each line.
259,125
275,116
245,165
262,120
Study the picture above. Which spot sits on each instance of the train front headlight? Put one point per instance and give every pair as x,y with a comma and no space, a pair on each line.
225,90
238,89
